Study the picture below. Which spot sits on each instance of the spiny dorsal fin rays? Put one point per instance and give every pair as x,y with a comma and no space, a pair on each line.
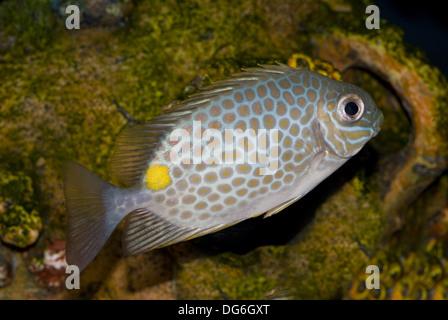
268,70
249,76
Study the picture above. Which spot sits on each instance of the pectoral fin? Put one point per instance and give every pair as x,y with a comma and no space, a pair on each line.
281,207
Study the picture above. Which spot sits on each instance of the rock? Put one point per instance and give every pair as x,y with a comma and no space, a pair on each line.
97,12
49,266
20,222
6,275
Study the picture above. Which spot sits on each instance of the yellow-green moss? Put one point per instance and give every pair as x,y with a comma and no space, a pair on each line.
20,222
26,25
20,228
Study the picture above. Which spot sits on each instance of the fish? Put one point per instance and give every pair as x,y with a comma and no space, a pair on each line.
248,145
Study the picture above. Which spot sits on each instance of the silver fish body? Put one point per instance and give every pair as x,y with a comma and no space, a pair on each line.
248,145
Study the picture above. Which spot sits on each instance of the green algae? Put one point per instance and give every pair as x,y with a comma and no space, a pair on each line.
223,279
20,222
26,25
19,227
413,260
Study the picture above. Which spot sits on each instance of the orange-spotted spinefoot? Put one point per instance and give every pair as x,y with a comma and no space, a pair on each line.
244,146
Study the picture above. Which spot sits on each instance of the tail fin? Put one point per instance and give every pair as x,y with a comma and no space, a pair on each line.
90,221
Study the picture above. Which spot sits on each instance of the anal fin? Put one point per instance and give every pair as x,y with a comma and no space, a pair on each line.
281,206
144,230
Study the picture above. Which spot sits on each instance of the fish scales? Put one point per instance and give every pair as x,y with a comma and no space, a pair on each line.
248,145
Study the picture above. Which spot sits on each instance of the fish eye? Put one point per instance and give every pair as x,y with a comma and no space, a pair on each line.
350,108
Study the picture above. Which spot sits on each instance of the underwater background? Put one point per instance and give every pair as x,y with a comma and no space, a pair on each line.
66,94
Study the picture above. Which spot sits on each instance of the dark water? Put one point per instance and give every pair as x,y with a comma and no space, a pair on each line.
424,24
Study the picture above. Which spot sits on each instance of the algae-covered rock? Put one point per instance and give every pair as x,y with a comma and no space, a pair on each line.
20,222
20,228
66,94
25,25
413,263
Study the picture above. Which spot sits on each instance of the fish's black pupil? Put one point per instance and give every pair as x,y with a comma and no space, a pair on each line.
351,109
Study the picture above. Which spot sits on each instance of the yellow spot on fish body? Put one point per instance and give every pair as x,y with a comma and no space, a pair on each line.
157,177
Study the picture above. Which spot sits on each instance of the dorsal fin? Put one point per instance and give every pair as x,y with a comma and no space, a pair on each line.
135,146
249,76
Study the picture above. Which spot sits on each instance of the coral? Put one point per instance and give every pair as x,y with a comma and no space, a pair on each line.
50,266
